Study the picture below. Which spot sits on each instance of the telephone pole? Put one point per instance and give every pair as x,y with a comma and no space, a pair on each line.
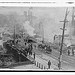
41,28
14,34
61,45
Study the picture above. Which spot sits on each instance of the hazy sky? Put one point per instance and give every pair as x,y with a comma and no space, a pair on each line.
52,17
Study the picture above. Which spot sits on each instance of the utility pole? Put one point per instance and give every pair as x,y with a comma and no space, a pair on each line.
72,27
30,15
43,32
61,45
41,27
14,34
73,16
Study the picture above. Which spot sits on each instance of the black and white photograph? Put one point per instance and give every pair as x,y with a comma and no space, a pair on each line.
37,38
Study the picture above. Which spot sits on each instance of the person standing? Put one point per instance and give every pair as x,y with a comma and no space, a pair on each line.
34,55
68,52
72,52
17,42
49,64
31,48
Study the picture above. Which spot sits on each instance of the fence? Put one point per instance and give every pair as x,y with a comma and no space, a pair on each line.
41,66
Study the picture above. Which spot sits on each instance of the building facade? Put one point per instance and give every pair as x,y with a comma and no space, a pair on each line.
58,39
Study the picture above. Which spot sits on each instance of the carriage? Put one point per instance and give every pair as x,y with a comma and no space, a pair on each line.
45,48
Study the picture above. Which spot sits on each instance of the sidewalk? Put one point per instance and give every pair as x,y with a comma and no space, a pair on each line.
42,61
27,67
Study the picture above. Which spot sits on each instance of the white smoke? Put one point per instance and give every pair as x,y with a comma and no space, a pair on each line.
30,29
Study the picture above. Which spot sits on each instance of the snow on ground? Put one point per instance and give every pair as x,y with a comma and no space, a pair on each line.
40,59
31,66
67,64
43,60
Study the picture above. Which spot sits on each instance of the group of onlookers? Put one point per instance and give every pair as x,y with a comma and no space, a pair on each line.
70,52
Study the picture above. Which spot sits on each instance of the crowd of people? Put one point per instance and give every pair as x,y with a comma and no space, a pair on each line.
28,47
71,52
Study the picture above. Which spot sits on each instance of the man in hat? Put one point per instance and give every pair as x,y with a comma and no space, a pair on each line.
49,64
34,55
68,52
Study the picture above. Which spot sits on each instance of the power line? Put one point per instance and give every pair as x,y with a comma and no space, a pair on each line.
61,46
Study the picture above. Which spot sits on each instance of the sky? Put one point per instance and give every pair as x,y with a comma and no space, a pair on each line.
51,18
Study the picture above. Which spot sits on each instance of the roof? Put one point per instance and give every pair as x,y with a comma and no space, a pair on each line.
71,46
31,39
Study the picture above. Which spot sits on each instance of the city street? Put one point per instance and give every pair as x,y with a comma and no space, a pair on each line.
67,61
35,38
